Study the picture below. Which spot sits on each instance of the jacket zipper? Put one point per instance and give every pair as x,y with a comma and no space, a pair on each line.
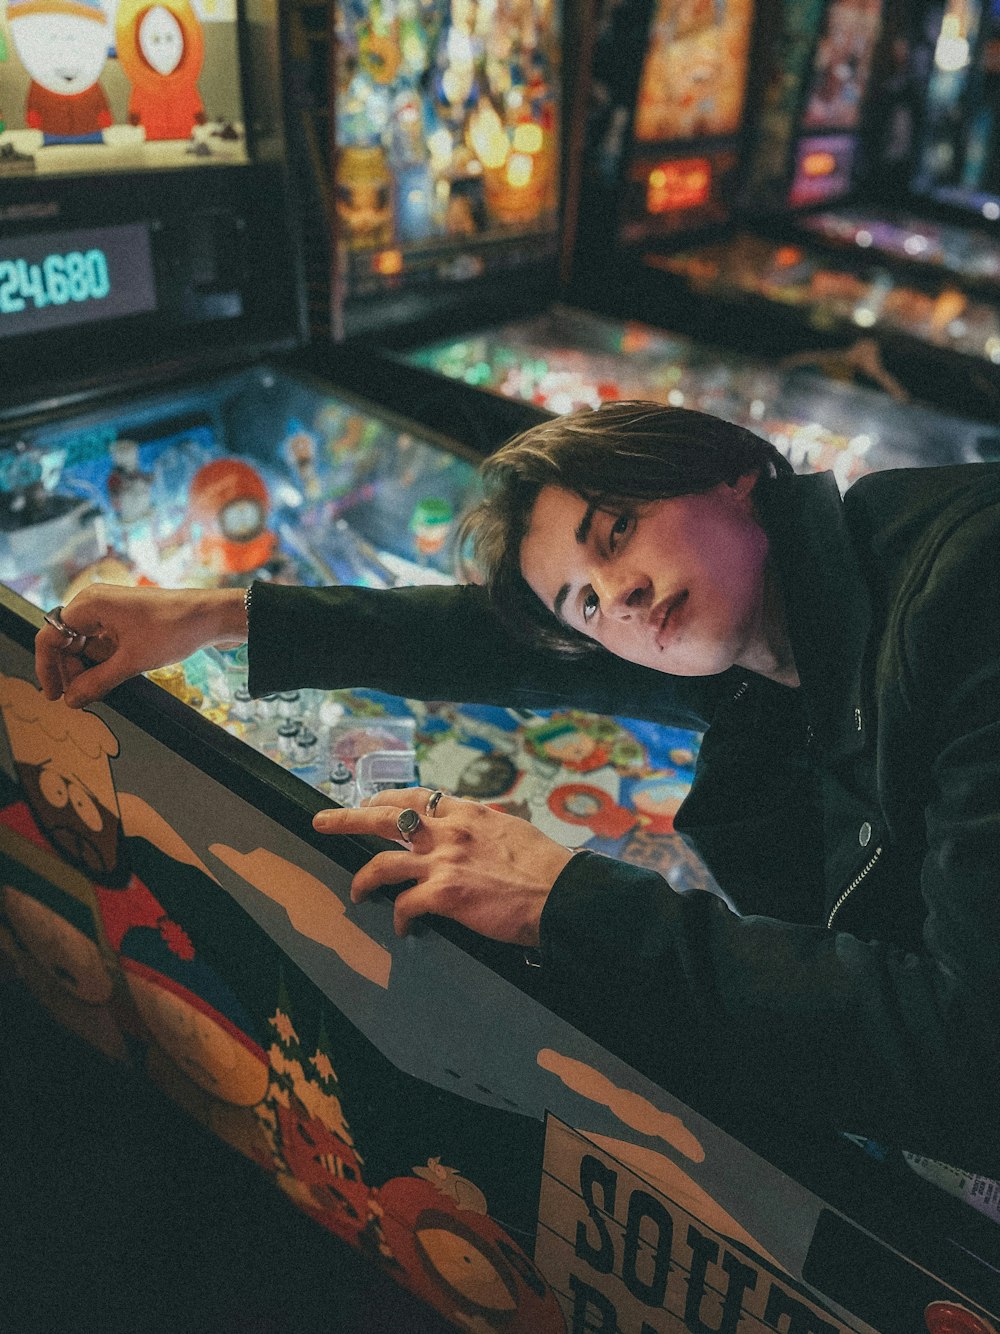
853,885
740,691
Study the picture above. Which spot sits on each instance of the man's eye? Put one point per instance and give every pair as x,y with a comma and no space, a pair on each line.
619,530
591,604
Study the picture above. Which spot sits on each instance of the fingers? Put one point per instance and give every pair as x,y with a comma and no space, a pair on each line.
78,678
378,820
48,655
86,682
58,660
482,868
398,868
399,798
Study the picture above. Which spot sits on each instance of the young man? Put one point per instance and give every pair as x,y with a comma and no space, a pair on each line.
843,659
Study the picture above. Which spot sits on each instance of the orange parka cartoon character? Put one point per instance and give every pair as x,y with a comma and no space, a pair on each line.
161,48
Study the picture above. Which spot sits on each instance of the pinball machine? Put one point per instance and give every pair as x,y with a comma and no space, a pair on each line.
163,895
838,231
462,299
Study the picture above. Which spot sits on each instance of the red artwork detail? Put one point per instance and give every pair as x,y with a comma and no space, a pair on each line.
329,1168
463,1263
176,938
950,1318
584,804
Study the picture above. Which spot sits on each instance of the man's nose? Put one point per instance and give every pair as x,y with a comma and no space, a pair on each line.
624,593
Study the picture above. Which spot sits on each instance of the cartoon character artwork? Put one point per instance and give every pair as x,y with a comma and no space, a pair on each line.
68,801
430,1230
130,487
66,823
47,936
161,48
459,1259
192,1014
300,450
63,45
311,1148
229,506
364,195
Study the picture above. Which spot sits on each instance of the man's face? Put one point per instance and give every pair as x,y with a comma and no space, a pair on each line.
676,585
86,832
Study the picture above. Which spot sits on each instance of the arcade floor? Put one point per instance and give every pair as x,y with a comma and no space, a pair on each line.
136,1221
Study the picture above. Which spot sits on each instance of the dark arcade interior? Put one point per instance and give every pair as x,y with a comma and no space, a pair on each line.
274,279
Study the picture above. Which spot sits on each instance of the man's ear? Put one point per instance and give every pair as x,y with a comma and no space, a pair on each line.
743,486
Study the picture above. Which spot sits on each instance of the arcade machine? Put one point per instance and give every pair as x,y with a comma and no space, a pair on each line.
939,106
423,267
922,289
163,893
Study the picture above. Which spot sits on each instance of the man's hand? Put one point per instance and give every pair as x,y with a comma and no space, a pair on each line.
119,632
490,871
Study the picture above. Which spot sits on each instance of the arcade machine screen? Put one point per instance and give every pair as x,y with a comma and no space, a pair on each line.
447,124
119,86
688,116
262,475
926,281
141,188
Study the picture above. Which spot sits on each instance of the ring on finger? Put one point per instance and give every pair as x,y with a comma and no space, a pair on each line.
407,822
432,802
54,618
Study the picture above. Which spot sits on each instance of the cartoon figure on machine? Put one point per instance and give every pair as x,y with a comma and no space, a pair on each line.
49,936
63,45
68,809
460,1260
161,48
229,507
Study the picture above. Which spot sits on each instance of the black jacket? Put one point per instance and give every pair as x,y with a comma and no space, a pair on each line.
854,823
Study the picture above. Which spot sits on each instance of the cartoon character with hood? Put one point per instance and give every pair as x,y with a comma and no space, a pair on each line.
63,44
161,48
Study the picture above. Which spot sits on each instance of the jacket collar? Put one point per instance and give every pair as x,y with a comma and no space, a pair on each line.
827,605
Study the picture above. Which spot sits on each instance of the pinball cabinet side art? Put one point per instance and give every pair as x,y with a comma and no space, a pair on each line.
163,895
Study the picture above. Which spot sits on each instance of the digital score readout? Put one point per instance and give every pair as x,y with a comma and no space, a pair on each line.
57,279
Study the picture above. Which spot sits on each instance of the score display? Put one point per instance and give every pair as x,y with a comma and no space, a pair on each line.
56,279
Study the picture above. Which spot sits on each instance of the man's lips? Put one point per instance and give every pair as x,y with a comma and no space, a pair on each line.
663,614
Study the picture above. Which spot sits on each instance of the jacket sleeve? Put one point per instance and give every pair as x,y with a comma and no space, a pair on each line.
791,1022
446,643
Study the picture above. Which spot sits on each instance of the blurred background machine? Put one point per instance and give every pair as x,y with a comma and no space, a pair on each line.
540,303
839,192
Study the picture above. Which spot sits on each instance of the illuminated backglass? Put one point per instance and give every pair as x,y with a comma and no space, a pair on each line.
447,138
695,72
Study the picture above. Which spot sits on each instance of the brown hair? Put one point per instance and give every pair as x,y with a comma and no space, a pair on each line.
614,457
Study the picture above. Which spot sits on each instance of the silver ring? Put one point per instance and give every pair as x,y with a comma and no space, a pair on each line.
54,618
407,822
432,802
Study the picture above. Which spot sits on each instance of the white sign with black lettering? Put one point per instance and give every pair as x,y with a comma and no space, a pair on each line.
625,1259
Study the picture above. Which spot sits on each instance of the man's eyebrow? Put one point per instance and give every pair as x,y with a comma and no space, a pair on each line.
583,527
581,535
583,531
